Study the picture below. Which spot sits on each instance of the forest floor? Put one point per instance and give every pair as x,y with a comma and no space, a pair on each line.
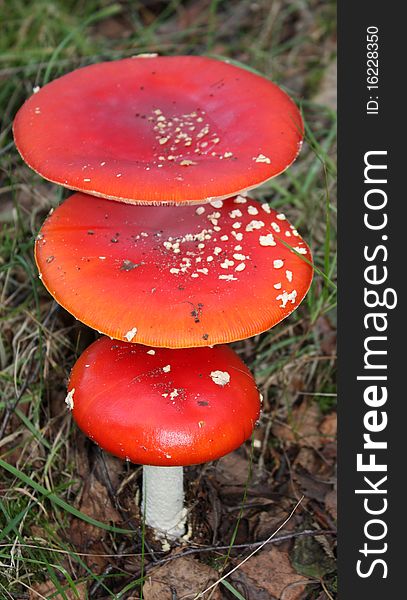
275,497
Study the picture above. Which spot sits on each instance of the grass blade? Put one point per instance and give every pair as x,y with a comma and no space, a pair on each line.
61,503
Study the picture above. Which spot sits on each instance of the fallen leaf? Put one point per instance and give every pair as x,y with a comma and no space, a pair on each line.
48,590
179,578
307,459
310,559
267,522
232,469
302,427
327,92
328,427
311,487
269,575
331,503
95,502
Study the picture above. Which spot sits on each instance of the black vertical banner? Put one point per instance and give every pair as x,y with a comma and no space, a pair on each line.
372,308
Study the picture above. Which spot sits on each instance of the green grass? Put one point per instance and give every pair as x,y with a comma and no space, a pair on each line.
40,477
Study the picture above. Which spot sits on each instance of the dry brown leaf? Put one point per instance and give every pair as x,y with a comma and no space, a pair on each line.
328,427
267,522
311,486
232,469
95,503
302,427
326,332
114,468
113,28
331,503
327,91
47,588
307,459
184,576
270,572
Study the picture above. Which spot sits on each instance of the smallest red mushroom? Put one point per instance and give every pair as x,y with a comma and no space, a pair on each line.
163,408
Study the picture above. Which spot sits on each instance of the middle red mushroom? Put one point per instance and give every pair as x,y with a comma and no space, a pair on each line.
174,277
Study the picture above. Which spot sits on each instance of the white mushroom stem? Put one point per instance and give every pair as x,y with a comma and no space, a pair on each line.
163,500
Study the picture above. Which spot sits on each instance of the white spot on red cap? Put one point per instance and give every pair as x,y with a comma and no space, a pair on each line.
187,163
131,334
267,240
227,277
69,399
278,263
145,55
286,297
220,377
300,250
261,158
252,210
216,203
254,225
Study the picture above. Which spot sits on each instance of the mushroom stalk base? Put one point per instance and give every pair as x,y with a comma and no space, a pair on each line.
163,500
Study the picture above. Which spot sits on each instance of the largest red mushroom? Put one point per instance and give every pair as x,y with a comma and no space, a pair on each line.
153,130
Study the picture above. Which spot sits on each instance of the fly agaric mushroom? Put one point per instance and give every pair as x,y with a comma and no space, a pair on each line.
174,277
163,409
159,130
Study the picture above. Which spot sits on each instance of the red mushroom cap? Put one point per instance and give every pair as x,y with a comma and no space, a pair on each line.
163,407
173,277
159,130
